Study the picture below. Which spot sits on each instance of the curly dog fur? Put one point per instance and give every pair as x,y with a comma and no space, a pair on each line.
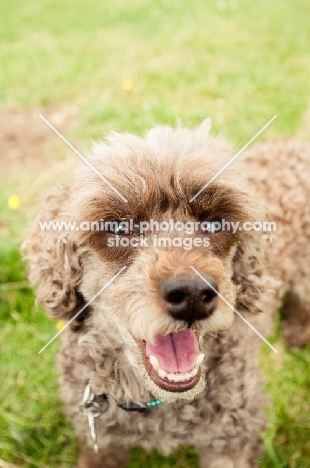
223,413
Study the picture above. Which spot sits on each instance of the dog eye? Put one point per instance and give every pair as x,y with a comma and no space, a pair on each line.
212,226
119,227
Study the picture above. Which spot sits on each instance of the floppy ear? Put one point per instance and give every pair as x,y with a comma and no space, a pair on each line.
251,273
54,266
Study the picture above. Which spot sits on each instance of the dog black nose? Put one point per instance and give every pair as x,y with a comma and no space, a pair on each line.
189,299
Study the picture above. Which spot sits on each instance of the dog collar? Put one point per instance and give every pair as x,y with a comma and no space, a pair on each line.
100,403
133,407
93,406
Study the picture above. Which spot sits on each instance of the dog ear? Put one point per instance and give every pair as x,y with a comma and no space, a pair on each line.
54,266
255,286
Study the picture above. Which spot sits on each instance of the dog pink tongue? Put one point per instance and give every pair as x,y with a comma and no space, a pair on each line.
175,352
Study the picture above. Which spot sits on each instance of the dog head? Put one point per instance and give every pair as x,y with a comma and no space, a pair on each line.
157,223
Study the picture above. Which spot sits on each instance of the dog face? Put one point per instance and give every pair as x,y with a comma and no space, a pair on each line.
166,300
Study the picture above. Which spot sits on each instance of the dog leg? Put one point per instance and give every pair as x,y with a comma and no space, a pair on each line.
116,457
295,323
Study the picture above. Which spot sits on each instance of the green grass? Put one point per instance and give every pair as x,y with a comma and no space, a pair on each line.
236,61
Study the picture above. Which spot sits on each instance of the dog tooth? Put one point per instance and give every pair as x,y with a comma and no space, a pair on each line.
154,362
199,359
162,374
194,372
171,377
178,378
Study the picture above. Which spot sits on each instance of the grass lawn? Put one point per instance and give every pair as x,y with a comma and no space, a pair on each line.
93,67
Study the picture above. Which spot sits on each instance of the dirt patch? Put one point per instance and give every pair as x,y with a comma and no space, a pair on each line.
32,157
26,142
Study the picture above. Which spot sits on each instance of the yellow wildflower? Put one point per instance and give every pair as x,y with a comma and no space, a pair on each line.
14,202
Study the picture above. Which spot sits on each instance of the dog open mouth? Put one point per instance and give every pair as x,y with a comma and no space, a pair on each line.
173,361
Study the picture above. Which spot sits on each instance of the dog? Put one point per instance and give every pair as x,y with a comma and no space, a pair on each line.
161,337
